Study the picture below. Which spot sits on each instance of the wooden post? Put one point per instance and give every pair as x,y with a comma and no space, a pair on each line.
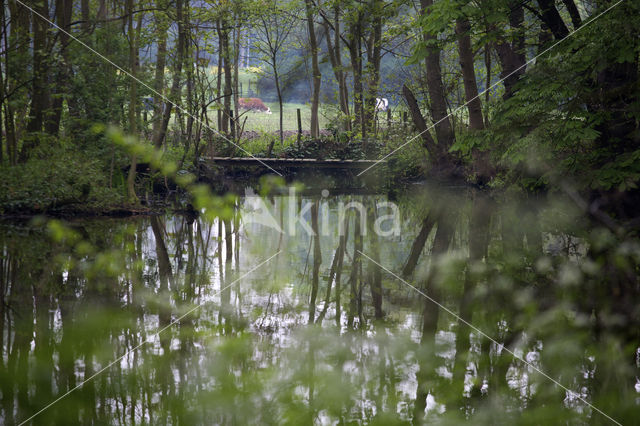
388,117
404,118
241,92
299,126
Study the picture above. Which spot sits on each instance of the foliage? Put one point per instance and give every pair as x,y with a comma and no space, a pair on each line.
59,179
326,148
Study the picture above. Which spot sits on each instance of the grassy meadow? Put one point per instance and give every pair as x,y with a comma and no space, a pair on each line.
261,122
267,123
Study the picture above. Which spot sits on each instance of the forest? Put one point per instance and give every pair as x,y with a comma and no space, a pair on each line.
319,211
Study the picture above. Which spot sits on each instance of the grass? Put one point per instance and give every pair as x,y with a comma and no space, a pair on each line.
261,122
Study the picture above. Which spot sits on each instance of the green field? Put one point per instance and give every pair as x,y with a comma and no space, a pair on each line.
261,122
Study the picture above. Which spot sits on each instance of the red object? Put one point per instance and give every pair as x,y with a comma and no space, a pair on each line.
254,104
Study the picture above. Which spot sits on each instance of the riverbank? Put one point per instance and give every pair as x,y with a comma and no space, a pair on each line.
63,183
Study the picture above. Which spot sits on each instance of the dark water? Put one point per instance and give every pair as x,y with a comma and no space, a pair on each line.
250,320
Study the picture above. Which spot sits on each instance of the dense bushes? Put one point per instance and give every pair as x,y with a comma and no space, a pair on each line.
330,147
57,180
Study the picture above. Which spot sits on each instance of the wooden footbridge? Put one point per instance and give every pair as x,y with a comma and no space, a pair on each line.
291,163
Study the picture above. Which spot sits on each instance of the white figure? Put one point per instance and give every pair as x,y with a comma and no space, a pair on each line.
382,104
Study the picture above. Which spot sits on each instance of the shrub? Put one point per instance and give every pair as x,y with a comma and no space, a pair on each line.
57,180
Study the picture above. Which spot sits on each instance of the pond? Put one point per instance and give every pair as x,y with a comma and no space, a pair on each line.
440,305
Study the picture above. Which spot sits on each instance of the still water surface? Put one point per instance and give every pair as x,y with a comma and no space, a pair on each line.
261,323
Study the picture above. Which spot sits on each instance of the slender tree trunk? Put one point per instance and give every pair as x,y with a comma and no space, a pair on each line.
133,101
236,84
374,56
355,54
85,15
192,107
228,91
219,74
487,84
19,40
420,123
176,89
103,10
315,69
64,9
8,115
344,91
276,77
158,81
39,89
335,56
40,95
3,87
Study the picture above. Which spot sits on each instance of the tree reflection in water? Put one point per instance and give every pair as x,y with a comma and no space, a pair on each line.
320,333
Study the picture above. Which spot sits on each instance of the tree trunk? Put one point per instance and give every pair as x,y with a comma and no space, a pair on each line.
374,56
487,84
335,56
19,40
552,18
236,90
474,105
228,91
420,123
4,81
576,20
315,69
64,9
176,90
481,164
511,53
435,89
39,89
279,92
158,81
355,54
192,108
85,12
133,101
